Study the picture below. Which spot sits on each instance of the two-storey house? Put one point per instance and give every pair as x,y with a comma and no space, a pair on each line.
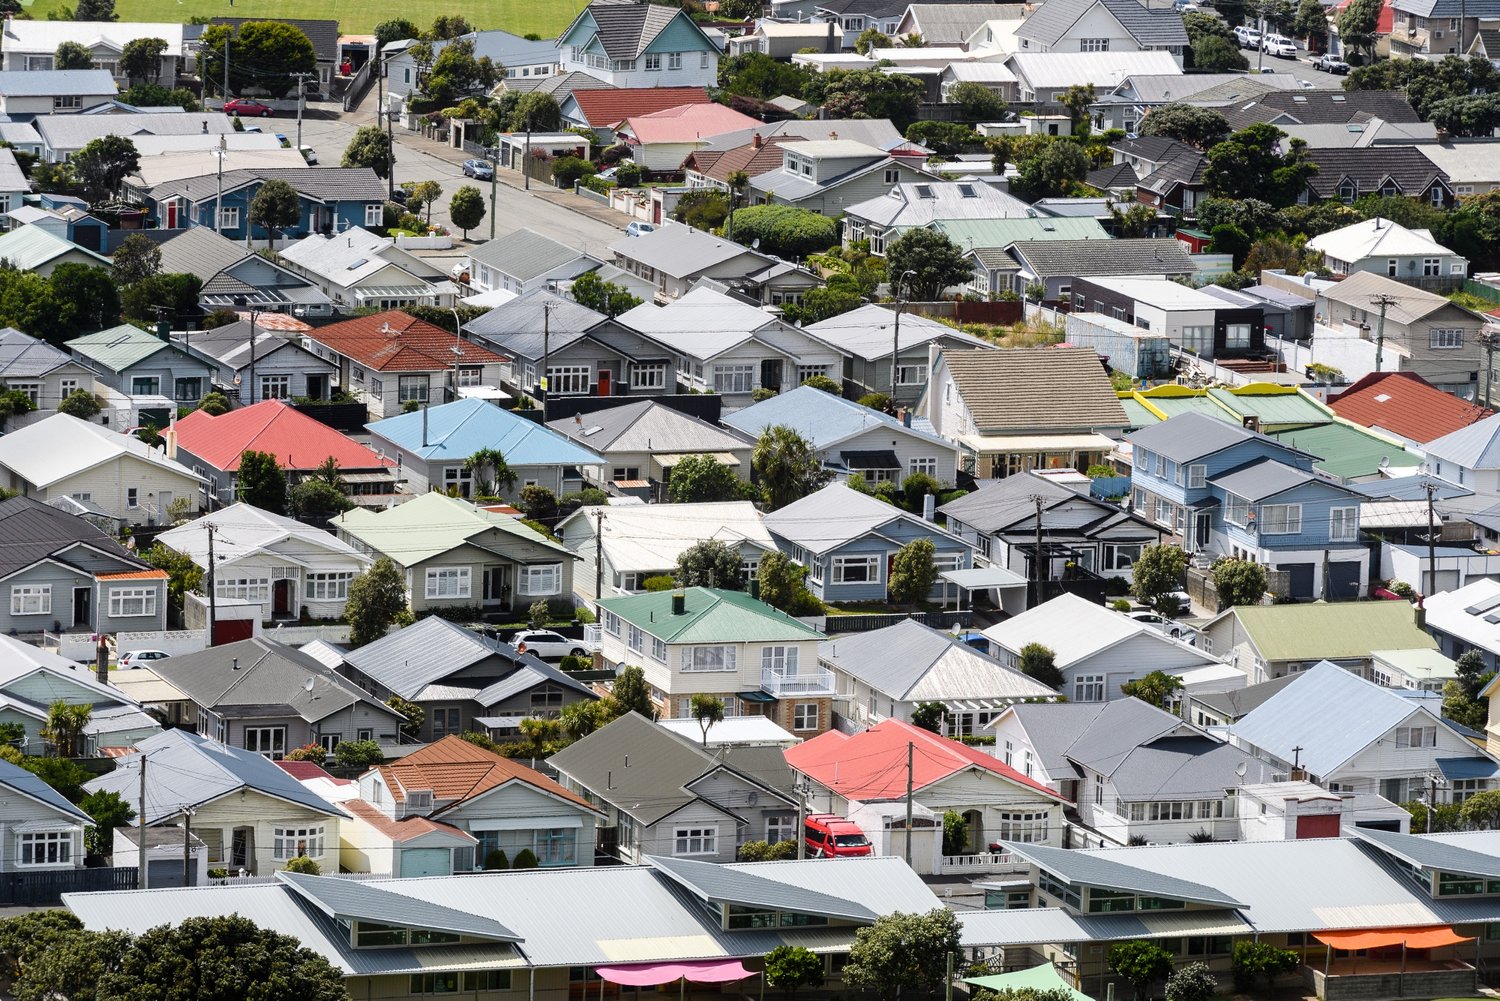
1190,318
630,44
824,176
45,374
1225,490
1410,256
1103,26
148,367
698,640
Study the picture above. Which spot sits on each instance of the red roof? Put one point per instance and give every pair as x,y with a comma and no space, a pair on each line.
606,107
395,341
1405,404
404,829
1384,23
685,123
871,765
134,575
304,770
297,441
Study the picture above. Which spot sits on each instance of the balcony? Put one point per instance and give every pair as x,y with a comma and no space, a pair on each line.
817,681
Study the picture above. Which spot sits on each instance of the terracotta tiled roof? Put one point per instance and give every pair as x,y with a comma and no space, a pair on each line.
295,439
395,341
304,770
405,829
1406,404
606,107
454,769
276,321
753,158
135,575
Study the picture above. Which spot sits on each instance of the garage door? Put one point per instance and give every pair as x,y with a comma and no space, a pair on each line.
164,872
427,862
1343,581
1301,583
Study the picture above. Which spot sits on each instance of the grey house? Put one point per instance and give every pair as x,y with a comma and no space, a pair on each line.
867,335
665,795
642,441
270,699
524,261
272,368
46,374
63,574
462,681
234,277
137,363
45,831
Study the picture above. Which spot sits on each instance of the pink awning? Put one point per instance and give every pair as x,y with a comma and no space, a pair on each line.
705,971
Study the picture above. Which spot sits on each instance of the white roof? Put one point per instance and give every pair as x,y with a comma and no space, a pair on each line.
792,29
1466,162
1074,629
868,332
1466,614
344,259
46,36
702,324
62,446
1158,292
919,203
734,731
242,530
1054,70
981,72
646,537
154,146
176,165
1376,238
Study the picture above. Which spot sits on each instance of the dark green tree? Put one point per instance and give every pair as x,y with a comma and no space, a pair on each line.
786,466
904,952
73,56
177,293
396,29
537,111
448,26
1256,963
360,754
377,600
369,148
466,209
1311,22
1250,164
946,139
457,73
1158,573
913,572
758,76
789,968
934,261
261,482
1156,689
710,563
95,10
140,60
698,479
929,716
102,164
1076,101
1057,170
267,52
866,94
1215,54
979,103
135,258
1140,963
602,296
28,936
108,810
631,692
1188,123
785,230
1358,25
85,297
275,207
783,585
1238,582
1040,664
871,38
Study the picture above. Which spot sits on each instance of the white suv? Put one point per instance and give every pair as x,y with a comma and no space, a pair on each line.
1248,37
1279,46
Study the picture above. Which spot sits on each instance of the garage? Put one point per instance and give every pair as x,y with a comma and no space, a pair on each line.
426,862
1300,579
1344,583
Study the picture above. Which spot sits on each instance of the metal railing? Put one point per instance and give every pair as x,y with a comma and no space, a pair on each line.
814,682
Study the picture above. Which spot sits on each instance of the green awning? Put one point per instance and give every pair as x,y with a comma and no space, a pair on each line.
757,696
1041,978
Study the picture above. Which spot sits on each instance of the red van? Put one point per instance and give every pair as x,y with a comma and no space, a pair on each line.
828,835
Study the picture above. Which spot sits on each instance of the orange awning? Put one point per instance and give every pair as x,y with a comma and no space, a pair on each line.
1413,938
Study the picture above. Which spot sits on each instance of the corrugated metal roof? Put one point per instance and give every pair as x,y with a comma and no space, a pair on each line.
1074,628
62,445
1330,631
1346,451
837,514
1264,478
646,426
22,355
1474,447
457,430
650,537
1273,407
718,884
433,523
824,419
1095,869
363,900
911,662
711,616
116,348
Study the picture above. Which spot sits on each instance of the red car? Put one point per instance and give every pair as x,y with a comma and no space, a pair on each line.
247,108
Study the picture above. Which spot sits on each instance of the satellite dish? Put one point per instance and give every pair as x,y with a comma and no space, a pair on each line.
755,243
307,685
1241,768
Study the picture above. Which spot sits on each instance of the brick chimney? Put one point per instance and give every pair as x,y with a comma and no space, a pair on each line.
755,141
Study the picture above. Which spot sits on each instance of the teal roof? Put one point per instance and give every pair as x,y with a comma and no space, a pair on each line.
1174,405
458,430
30,247
711,616
971,234
1137,414
117,348
1274,408
1348,452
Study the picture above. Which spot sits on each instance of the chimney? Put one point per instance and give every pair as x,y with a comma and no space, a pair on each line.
169,439
164,330
424,425
235,664
755,141
1377,222
833,136
929,507
1297,775
679,603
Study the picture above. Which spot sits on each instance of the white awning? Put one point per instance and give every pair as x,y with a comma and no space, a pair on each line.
1086,442
669,459
483,393
524,823
983,577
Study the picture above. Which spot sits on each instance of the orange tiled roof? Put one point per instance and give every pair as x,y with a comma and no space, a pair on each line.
405,829
395,341
135,575
457,770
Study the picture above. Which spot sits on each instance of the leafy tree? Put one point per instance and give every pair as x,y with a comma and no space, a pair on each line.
495,860
108,810
102,164
784,230
1076,100
632,693
702,208
955,833
214,404
1251,215
140,60
177,293
95,10
414,713
946,139
136,257
757,75
1469,115
566,170
782,585
457,73
1057,170
1239,582
265,54
1040,664
359,754
1446,817
707,710
840,295
979,103
579,719
27,936
492,474
709,563
377,600
65,727
317,500
1481,811
786,465
698,479
154,95
1158,572
62,774
904,952
536,111
929,716
1213,54
539,503
1203,128
448,26
1233,241
1133,221
1195,981
395,30
262,482
75,965
1155,689
73,56
466,209
1471,674
1463,709
599,295
1140,963
1256,962
84,296
183,575
1198,24
913,572
871,38
936,263
866,94
1358,25
369,148
1311,23
275,207
789,968
824,383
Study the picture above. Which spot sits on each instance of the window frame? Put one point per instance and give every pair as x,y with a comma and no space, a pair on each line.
839,570
20,595
463,578
122,597
688,842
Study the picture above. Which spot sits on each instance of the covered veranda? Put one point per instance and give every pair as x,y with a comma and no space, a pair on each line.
1422,962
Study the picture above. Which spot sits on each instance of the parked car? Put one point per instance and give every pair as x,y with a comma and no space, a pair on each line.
547,645
481,170
639,228
141,658
309,154
1248,37
1331,64
831,836
1176,630
246,108
1279,46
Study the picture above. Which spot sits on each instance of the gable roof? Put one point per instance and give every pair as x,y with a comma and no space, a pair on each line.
644,537
1406,404
198,250
835,515
1010,504
192,769
1087,869
1029,388
1370,166
604,107
1070,258
1148,26
626,28
459,429
31,531
646,426
1322,631
51,83
867,332
62,445
710,615
686,123
1195,434
531,322
23,356
912,662
298,441
864,766
824,419
705,323
30,785
1409,304
396,341
1322,107
1376,237
1076,629
1474,446
431,524
759,156
243,530
525,254
455,770
322,184
324,34
680,251
921,203
30,247
117,348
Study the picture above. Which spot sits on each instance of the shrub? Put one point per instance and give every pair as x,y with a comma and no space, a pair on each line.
572,663
568,169
304,865
1120,605
598,185
628,174
308,752
824,383
662,583
496,860
357,754
875,401
80,403
525,859
538,614
785,231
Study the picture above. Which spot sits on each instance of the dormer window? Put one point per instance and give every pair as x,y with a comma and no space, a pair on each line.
372,934
418,800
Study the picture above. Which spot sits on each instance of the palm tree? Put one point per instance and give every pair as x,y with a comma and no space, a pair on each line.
65,726
491,473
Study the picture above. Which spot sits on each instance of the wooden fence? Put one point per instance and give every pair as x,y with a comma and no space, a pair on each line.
45,888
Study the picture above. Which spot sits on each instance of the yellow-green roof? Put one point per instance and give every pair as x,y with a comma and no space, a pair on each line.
1331,630
118,347
709,615
430,524
1272,404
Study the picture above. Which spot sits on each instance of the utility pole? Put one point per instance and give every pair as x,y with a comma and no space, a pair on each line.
494,183
301,79
1037,557
390,141
1431,487
140,848
801,818
223,151
546,353
213,600
598,558
910,750
526,162
187,845
896,336
1489,368
226,69
1382,301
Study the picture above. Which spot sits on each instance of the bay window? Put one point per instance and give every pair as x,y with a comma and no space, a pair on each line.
293,842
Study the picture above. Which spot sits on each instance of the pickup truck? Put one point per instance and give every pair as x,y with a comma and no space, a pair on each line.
1331,64
1279,46
1248,38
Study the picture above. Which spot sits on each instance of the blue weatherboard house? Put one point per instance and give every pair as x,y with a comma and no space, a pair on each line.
434,444
629,44
846,540
1224,490
333,199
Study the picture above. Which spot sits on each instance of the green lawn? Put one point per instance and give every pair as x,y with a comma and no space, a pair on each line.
355,17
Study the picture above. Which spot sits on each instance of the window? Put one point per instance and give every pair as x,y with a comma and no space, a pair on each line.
448,582
674,60
658,650
621,474
187,390
1343,524
1197,476
543,579
648,375
1122,555
132,497
922,464
267,741
35,599
1093,45
470,375
273,387
1166,512
46,848
695,841
805,716
707,659
244,588
1443,338
458,479
911,375
634,636
780,829
734,378
66,388
1236,510
1431,267
1088,688
1416,736
1027,828
653,63
66,102
856,569
1236,336
145,385
779,659
327,586
131,601
413,388
374,213
612,622
703,60
445,722
229,217
293,842
569,380
892,175
1280,519
1199,340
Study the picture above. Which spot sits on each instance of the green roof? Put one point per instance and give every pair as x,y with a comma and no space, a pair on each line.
711,616
428,525
1274,408
1348,452
1137,413
973,234
1431,663
1174,405
30,247
117,348
1039,978
1342,630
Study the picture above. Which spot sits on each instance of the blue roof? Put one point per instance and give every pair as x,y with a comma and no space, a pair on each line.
29,785
820,417
458,430
1468,768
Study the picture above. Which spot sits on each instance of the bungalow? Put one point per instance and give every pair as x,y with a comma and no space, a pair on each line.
32,47
1270,641
33,680
330,201
132,361
642,442
907,206
1384,247
868,337
265,365
27,93
601,109
64,135
32,248
674,258
1055,264
48,830
662,140
826,175
45,374
525,261
358,269
1103,26
1406,406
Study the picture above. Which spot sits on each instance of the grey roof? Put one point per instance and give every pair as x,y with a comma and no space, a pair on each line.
912,662
1156,149
718,884
1369,167
57,83
680,251
1052,727
877,132
1094,869
953,23
1238,702
1261,479
1184,169
835,515
1010,503
867,332
646,426
1117,175
1474,447
1120,727
517,326
229,345
31,531
626,28
190,768
1335,107
324,35
531,673
1070,258
408,660
1442,856
28,784
1179,767
70,132
361,900
198,250
526,254
1193,435
324,184
1148,26
23,356
259,677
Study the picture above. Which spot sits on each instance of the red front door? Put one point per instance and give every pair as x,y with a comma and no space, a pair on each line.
604,382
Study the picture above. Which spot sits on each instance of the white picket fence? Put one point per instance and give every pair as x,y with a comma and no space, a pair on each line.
982,862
